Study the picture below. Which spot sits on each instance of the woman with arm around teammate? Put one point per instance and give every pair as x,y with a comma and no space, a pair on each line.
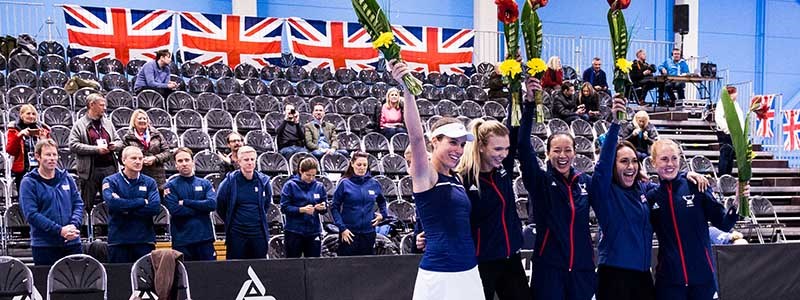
448,269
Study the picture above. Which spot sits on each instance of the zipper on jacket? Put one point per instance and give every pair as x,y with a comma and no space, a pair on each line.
544,242
502,213
677,233
478,248
571,221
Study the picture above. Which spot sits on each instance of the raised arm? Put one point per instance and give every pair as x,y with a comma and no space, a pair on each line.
423,175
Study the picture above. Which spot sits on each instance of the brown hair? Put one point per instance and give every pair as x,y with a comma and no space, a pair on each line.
350,172
307,164
44,143
665,142
627,144
161,53
184,150
470,164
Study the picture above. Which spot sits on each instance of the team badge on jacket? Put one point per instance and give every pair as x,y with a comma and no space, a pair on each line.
582,186
689,200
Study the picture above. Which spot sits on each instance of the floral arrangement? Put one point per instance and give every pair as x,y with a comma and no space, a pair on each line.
619,45
741,145
377,25
532,33
510,68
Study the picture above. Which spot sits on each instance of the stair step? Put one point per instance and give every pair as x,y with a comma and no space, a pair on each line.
770,163
774,189
711,154
670,116
689,137
682,124
780,181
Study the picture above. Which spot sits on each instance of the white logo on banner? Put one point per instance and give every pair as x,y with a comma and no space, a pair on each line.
253,289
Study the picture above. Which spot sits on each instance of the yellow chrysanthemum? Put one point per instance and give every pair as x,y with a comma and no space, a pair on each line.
510,68
624,65
536,66
384,40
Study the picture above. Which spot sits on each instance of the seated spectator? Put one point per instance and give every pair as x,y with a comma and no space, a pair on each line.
155,150
596,76
496,86
52,206
230,162
719,237
642,75
564,105
391,120
290,135
590,101
189,200
641,133
303,199
726,151
93,140
133,201
554,75
673,67
22,136
320,136
154,75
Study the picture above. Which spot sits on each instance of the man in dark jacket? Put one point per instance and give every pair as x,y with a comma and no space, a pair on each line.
52,206
596,76
229,162
154,75
290,135
189,200
133,201
642,75
565,106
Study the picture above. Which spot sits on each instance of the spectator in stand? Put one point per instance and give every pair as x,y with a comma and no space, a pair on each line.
641,133
642,75
22,136
52,206
93,140
565,106
303,199
243,198
673,67
230,162
590,100
496,86
133,201
320,136
596,76
154,75
155,150
189,200
290,135
726,151
391,120
554,75
353,208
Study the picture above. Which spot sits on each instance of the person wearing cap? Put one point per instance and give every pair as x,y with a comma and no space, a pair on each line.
449,268
353,208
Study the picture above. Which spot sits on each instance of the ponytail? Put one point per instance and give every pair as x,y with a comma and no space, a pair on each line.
470,165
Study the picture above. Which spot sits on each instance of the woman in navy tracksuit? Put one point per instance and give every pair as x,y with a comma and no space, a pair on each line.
353,208
680,215
303,198
559,204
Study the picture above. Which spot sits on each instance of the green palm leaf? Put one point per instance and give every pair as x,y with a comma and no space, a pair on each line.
742,147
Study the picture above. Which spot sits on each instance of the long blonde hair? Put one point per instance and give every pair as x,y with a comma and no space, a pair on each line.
554,63
470,165
388,103
135,115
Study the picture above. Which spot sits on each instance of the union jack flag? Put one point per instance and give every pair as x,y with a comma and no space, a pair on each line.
791,129
331,44
764,124
429,49
208,39
121,33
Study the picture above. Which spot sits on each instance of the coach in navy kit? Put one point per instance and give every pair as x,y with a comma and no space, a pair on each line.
242,200
189,200
680,214
133,201
303,199
52,206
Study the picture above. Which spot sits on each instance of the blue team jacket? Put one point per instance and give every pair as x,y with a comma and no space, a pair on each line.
354,201
680,216
295,194
190,223
226,199
130,219
624,214
560,207
48,206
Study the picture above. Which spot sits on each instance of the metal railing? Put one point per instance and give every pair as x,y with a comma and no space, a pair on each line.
15,12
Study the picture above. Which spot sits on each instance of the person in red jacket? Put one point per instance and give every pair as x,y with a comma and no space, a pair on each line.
22,137
553,76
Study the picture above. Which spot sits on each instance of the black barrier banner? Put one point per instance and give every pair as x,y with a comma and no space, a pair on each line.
769,271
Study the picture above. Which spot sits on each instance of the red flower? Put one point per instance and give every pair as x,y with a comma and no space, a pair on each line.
507,11
542,3
761,111
620,4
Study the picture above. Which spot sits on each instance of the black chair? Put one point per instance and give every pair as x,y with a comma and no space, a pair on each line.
208,101
170,137
459,80
479,80
247,121
272,120
200,84
332,89
471,109
438,79
265,104
119,98
369,76
334,163
394,165
582,128
77,274
431,92
358,123
22,95
447,108
121,117
81,63
133,67
399,143
583,164
379,90
22,61
349,141
475,93
143,279
485,68
196,139
259,140
376,143
58,115
406,187
148,99
220,139
16,278
52,78
295,74
270,73
53,62
347,106
51,48
206,162
244,71
53,96
227,85
219,70
388,187
371,106
558,126
60,134
159,118
238,102
295,159
337,120
179,100
298,102
273,164
191,69
217,119
357,90
17,232
324,101
307,88
345,76
281,87
453,93
584,146
188,119
22,77
254,87
321,74
86,75
110,65
79,97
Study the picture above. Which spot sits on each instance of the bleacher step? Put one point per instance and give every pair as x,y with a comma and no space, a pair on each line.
780,181
670,116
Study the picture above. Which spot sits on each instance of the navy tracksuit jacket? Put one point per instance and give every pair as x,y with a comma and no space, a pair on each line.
49,205
226,200
190,222
680,216
623,213
354,203
295,194
130,219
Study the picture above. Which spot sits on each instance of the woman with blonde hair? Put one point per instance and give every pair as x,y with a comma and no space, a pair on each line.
22,137
391,114
154,147
554,75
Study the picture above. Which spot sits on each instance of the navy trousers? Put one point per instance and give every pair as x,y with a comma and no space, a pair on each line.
246,247
551,283
298,245
197,251
683,292
128,253
363,244
45,256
